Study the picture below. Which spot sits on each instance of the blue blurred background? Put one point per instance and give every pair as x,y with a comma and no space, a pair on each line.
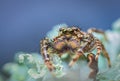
24,23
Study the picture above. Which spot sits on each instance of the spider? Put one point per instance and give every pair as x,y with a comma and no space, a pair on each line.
73,40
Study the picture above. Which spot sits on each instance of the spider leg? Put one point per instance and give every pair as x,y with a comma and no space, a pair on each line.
91,30
78,54
100,47
45,53
93,64
105,53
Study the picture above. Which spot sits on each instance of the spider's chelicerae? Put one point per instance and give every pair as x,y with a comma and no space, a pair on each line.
77,42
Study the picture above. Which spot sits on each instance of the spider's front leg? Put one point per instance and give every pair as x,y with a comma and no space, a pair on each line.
45,45
101,48
91,30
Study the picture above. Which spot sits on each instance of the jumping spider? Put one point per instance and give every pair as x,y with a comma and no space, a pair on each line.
74,40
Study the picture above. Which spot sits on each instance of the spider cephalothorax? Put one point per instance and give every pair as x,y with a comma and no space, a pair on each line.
73,41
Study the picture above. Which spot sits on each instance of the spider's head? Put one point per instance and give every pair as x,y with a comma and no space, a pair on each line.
68,30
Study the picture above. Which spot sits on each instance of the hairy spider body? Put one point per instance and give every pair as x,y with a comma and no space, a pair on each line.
74,41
